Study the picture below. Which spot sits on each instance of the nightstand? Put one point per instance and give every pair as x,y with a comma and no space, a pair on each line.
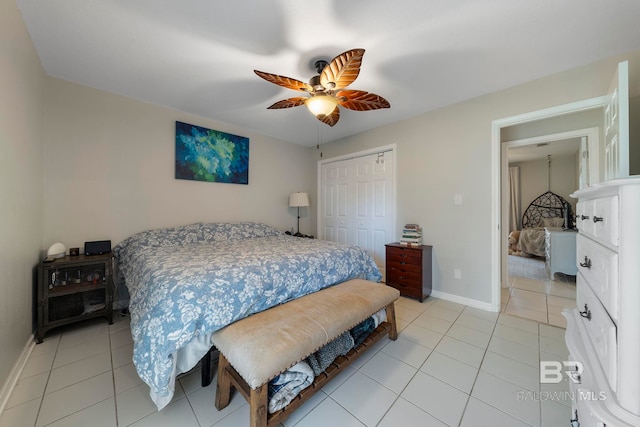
72,289
408,269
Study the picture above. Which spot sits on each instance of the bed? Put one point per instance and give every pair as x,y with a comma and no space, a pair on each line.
546,210
187,282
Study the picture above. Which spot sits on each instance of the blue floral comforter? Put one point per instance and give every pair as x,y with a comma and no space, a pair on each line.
187,282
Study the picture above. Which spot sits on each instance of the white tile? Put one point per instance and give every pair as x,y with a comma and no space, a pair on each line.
135,404
122,355
303,410
515,351
413,304
476,323
369,407
557,392
490,316
102,414
564,290
407,351
518,323
517,335
553,346
443,313
81,351
81,333
28,389
76,397
406,314
449,305
533,285
23,414
450,371
328,413
388,371
78,371
468,335
192,380
202,401
439,399
177,413
558,321
403,413
422,336
121,338
479,414
49,345
538,316
239,417
507,397
555,414
125,378
337,381
37,364
466,353
518,373
432,322
552,332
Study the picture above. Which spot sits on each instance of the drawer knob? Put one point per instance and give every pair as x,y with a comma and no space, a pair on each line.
583,217
586,313
586,263
598,219
574,422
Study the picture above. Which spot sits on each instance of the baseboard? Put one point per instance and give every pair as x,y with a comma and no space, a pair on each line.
487,306
15,373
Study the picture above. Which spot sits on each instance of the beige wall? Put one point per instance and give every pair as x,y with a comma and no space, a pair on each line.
448,152
21,106
109,171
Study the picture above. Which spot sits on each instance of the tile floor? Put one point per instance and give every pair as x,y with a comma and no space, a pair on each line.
542,300
452,365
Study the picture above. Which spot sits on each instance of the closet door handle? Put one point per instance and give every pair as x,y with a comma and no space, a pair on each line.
586,263
598,219
586,313
583,217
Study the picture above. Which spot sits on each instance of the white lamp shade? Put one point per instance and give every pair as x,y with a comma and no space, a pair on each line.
298,199
321,105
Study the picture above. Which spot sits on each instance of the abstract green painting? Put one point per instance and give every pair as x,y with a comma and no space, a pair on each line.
209,155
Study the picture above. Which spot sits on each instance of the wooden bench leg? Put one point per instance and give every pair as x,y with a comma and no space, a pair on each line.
258,406
391,318
223,385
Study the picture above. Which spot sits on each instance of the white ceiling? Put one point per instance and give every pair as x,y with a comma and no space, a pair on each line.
559,148
198,56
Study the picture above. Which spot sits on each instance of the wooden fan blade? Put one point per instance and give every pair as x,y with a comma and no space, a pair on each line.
360,100
283,81
342,70
330,119
288,103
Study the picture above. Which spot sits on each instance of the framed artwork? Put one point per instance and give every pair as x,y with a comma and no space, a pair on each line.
209,155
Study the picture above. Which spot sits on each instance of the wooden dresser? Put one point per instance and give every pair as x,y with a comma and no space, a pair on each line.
603,331
408,269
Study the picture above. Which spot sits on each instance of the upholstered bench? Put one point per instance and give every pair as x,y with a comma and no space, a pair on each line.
258,348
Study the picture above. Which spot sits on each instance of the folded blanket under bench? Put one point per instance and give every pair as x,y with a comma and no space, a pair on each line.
256,349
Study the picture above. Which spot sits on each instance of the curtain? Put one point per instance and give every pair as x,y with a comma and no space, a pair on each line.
515,217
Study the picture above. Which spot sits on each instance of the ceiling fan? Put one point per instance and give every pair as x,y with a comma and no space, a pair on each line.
327,89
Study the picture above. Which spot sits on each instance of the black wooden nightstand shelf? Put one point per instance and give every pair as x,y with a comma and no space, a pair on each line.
72,289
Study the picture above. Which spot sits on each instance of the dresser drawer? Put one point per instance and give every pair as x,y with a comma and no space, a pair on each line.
598,218
413,256
404,266
600,329
599,266
413,278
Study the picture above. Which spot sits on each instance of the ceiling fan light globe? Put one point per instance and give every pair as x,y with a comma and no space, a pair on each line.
321,105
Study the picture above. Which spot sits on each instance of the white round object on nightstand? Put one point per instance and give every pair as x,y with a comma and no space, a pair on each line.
57,250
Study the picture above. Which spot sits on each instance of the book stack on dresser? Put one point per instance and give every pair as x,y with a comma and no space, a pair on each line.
411,235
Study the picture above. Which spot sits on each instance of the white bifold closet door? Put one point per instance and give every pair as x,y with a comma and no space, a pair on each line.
357,204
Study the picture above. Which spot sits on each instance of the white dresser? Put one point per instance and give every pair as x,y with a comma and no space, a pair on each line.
603,331
560,251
